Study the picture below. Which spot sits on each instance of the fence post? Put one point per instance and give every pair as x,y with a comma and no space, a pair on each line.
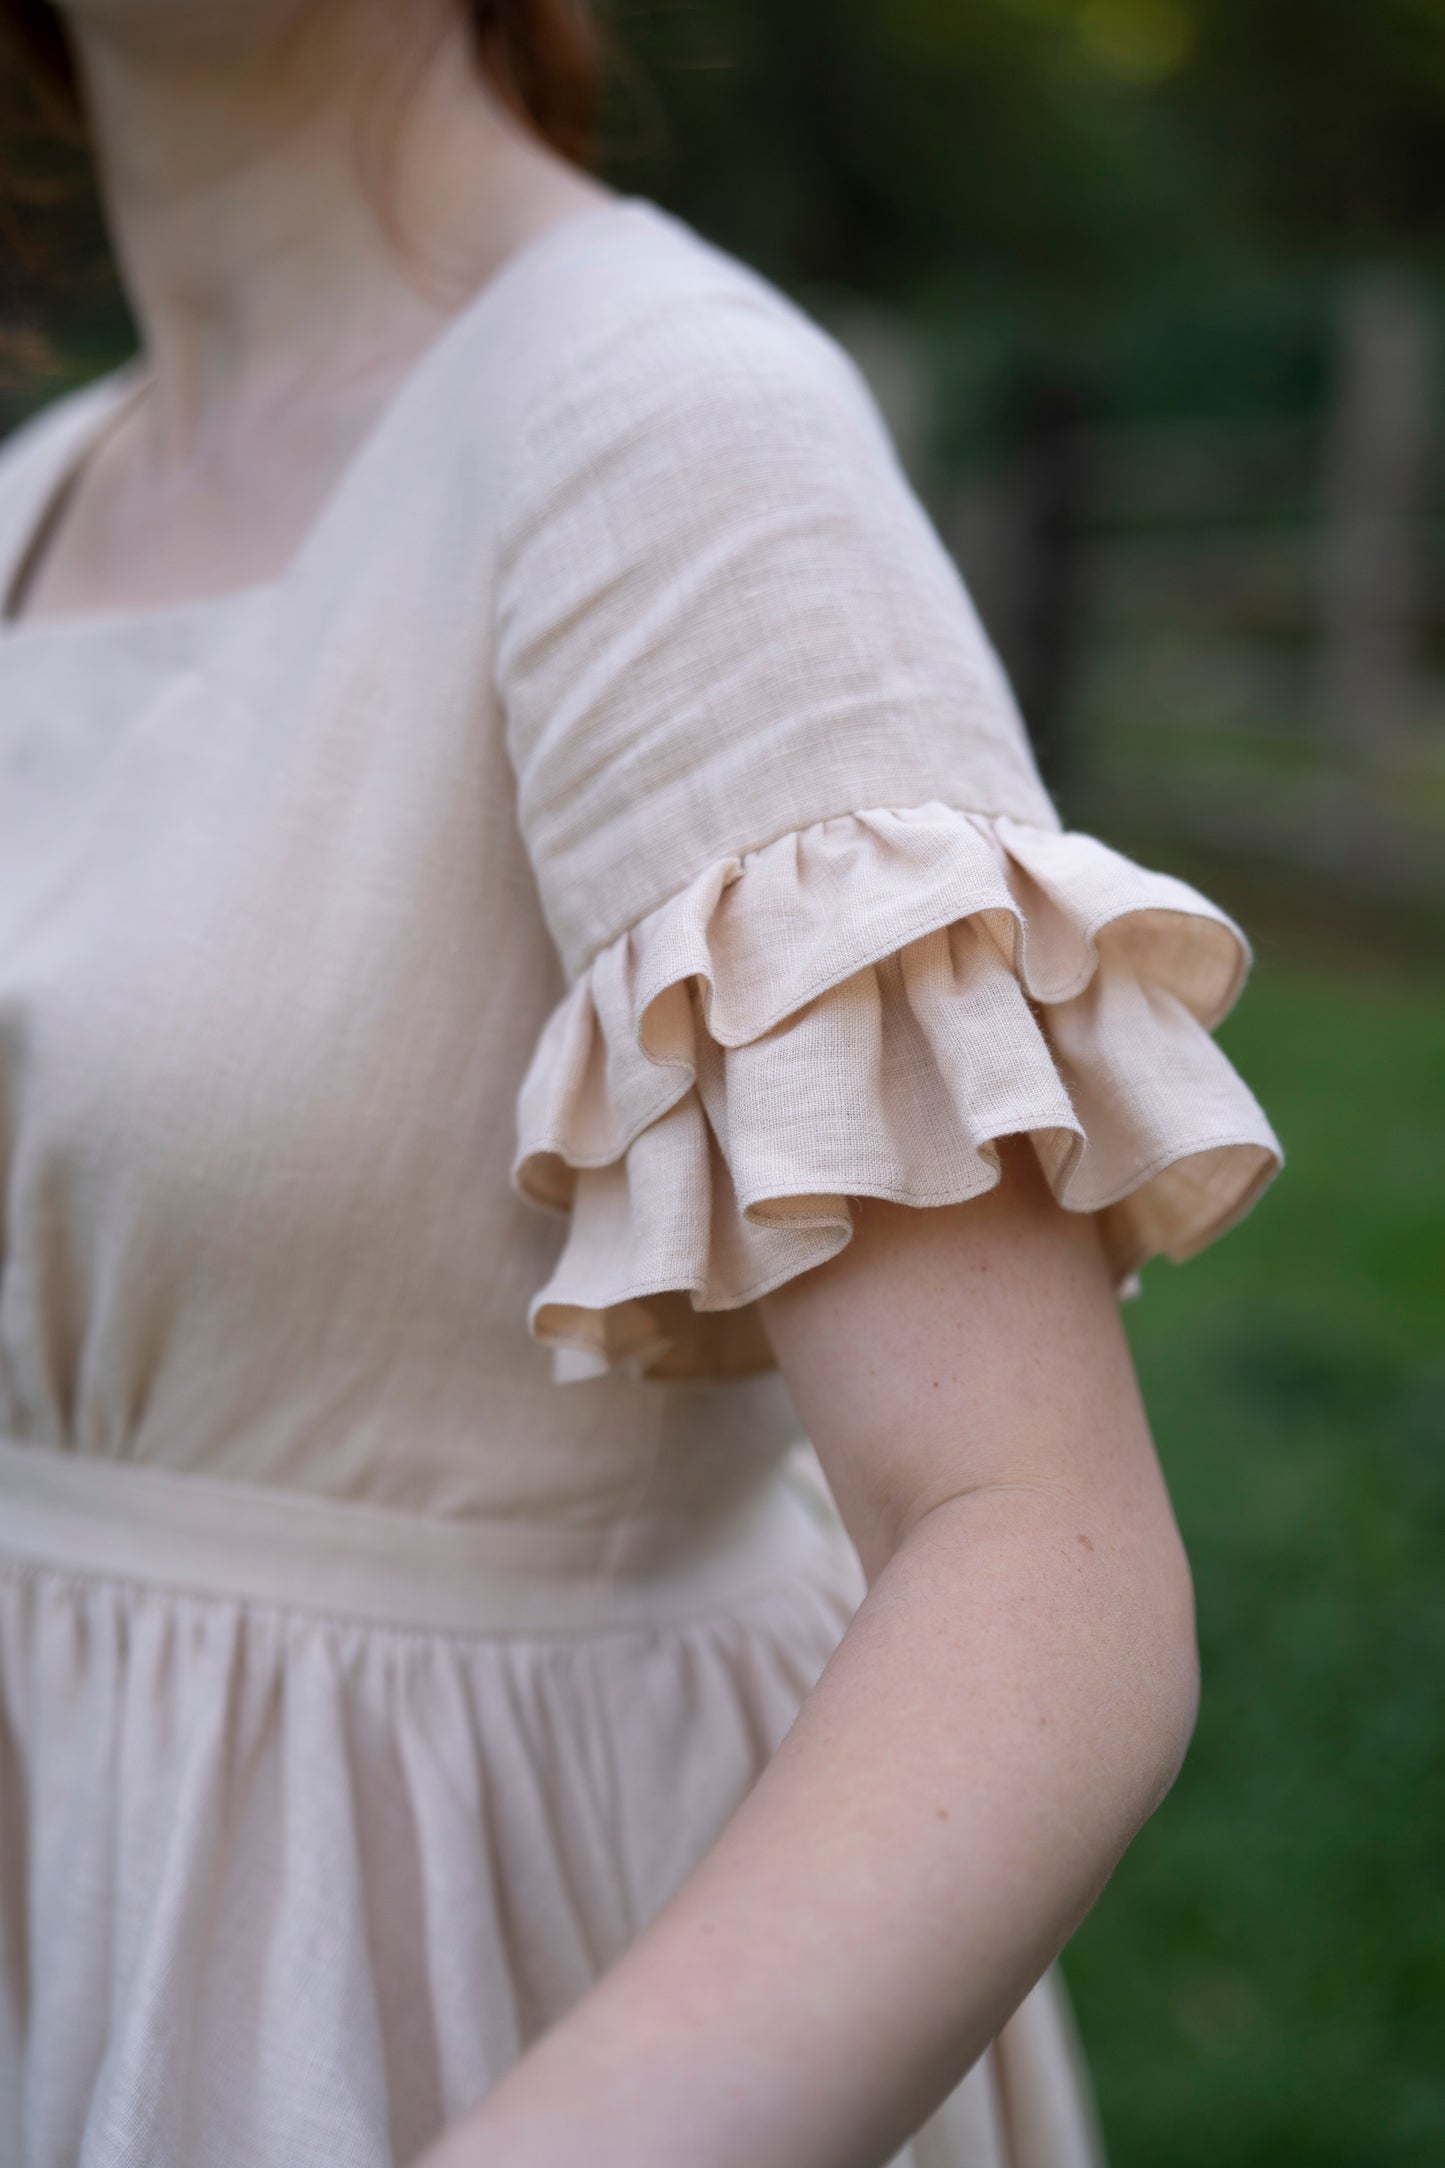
1376,463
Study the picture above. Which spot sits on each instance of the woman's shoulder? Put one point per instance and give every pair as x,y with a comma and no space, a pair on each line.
638,321
641,260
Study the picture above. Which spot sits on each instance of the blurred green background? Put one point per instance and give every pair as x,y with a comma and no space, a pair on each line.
1152,293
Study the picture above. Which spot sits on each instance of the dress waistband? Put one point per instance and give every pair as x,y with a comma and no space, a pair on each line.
199,1535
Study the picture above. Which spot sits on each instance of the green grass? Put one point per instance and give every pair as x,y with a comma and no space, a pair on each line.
1264,1980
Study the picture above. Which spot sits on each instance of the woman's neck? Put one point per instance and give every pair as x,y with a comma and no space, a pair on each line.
233,146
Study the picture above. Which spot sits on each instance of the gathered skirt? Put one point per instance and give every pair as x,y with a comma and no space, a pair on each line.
314,1815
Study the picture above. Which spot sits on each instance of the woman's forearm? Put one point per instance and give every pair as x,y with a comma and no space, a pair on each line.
1009,1703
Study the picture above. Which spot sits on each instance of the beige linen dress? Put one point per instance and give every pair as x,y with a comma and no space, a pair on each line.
441,988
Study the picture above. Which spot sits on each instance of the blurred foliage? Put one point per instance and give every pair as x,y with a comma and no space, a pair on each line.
1078,142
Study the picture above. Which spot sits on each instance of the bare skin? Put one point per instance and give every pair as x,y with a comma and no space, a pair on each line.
1016,1692
276,313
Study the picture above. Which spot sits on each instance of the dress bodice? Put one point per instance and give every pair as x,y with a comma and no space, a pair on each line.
271,968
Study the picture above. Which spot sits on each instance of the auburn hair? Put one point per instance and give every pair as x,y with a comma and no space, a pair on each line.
544,58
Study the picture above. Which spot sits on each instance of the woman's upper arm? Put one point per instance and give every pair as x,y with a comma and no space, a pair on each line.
973,1347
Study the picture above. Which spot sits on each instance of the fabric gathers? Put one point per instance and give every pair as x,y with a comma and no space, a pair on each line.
863,1007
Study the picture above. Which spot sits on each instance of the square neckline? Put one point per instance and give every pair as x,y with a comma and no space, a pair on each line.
109,397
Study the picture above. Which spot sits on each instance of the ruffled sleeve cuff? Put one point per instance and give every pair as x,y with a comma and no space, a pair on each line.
862,1007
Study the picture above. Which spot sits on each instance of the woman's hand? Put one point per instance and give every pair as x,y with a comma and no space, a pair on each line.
1011,1701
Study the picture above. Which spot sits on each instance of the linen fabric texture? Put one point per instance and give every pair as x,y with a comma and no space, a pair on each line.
443,987
824,934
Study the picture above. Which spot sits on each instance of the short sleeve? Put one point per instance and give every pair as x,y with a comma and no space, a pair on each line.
822,934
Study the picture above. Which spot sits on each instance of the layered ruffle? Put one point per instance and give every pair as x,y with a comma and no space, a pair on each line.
863,1007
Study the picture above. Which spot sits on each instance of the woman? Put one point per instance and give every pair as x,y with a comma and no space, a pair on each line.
487,726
